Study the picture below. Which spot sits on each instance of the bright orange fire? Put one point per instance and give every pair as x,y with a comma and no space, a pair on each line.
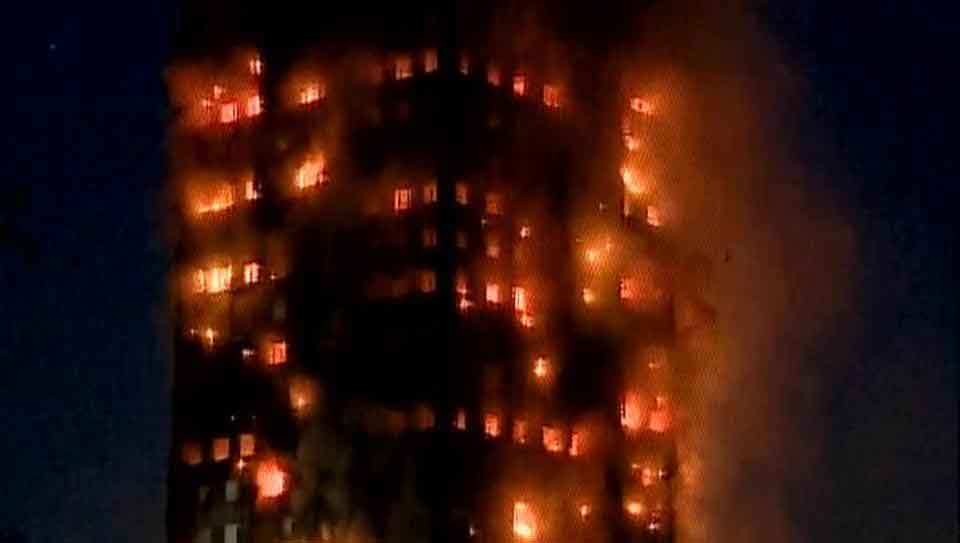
633,182
403,67
402,199
493,293
584,509
551,96
277,353
520,84
256,66
491,425
640,105
312,93
588,295
541,367
520,432
254,106
520,300
552,439
654,216
250,191
524,521
247,445
271,479
660,417
311,173
632,415
251,273
430,60
229,113
576,444
220,200
635,508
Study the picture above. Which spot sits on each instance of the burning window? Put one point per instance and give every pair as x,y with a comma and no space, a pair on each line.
633,182
271,480
214,280
588,295
519,84
254,106
402,199
462,240
551,96
251,273
256,66
525,231
521,432
218,200
631,412
430,60
460,419
541,367
191,453
628,288
430,193
584,510
494,203
660,416
311,93
312,173
521,300
640,105
493,293
654,216
428,281
278,353
209,337
402,67
552,439
462,194
247,445
250,191
429,237
491,425
464,64
524,521
229,113
218,92
493,75
493,246
221,449
634,507
576,444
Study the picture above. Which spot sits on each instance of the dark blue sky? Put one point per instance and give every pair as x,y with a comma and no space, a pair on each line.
84,377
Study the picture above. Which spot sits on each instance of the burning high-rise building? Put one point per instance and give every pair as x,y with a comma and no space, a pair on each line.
421,288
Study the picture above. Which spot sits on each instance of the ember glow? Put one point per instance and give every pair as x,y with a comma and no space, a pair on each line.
311,173
524,521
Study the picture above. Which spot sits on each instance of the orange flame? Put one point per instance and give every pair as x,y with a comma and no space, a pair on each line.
271,479
524,521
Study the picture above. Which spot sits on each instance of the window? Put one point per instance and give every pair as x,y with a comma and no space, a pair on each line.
191,453
660,416
402,199
493,293
428,281
460,419
229,113
256,66
520,300
491,425
552,439
254,106
519,84
541,367
493,246
312,93
221,448
524,521
251,273
402,67
628,288
654,216
493,75
231,533
462,194
462,240
584,511
520,432
271,480
464,64
430,60
199,281
278,353
525,232
576,444
429,237
631,412
494,203
247,445
250,191
204,535
551,96
640,105
231,491
430,193
218,92
588,295
218,279
312,173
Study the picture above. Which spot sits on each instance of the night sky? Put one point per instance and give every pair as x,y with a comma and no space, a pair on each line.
84,392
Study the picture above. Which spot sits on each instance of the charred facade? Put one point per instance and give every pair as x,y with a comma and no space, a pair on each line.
421,288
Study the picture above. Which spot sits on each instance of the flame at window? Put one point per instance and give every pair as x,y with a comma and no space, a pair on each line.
520,432
552,439
256,66
660,416
640,105
430,60
524,521
251,273
221,449
462,193
402,199
213,280
277,353
271,479
312,93
460,419
229,113
254,106
493,293
430,193
541,367
632,414
494,203
519,84
247,445
311,173
551,96
576,443
491,425
402,67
